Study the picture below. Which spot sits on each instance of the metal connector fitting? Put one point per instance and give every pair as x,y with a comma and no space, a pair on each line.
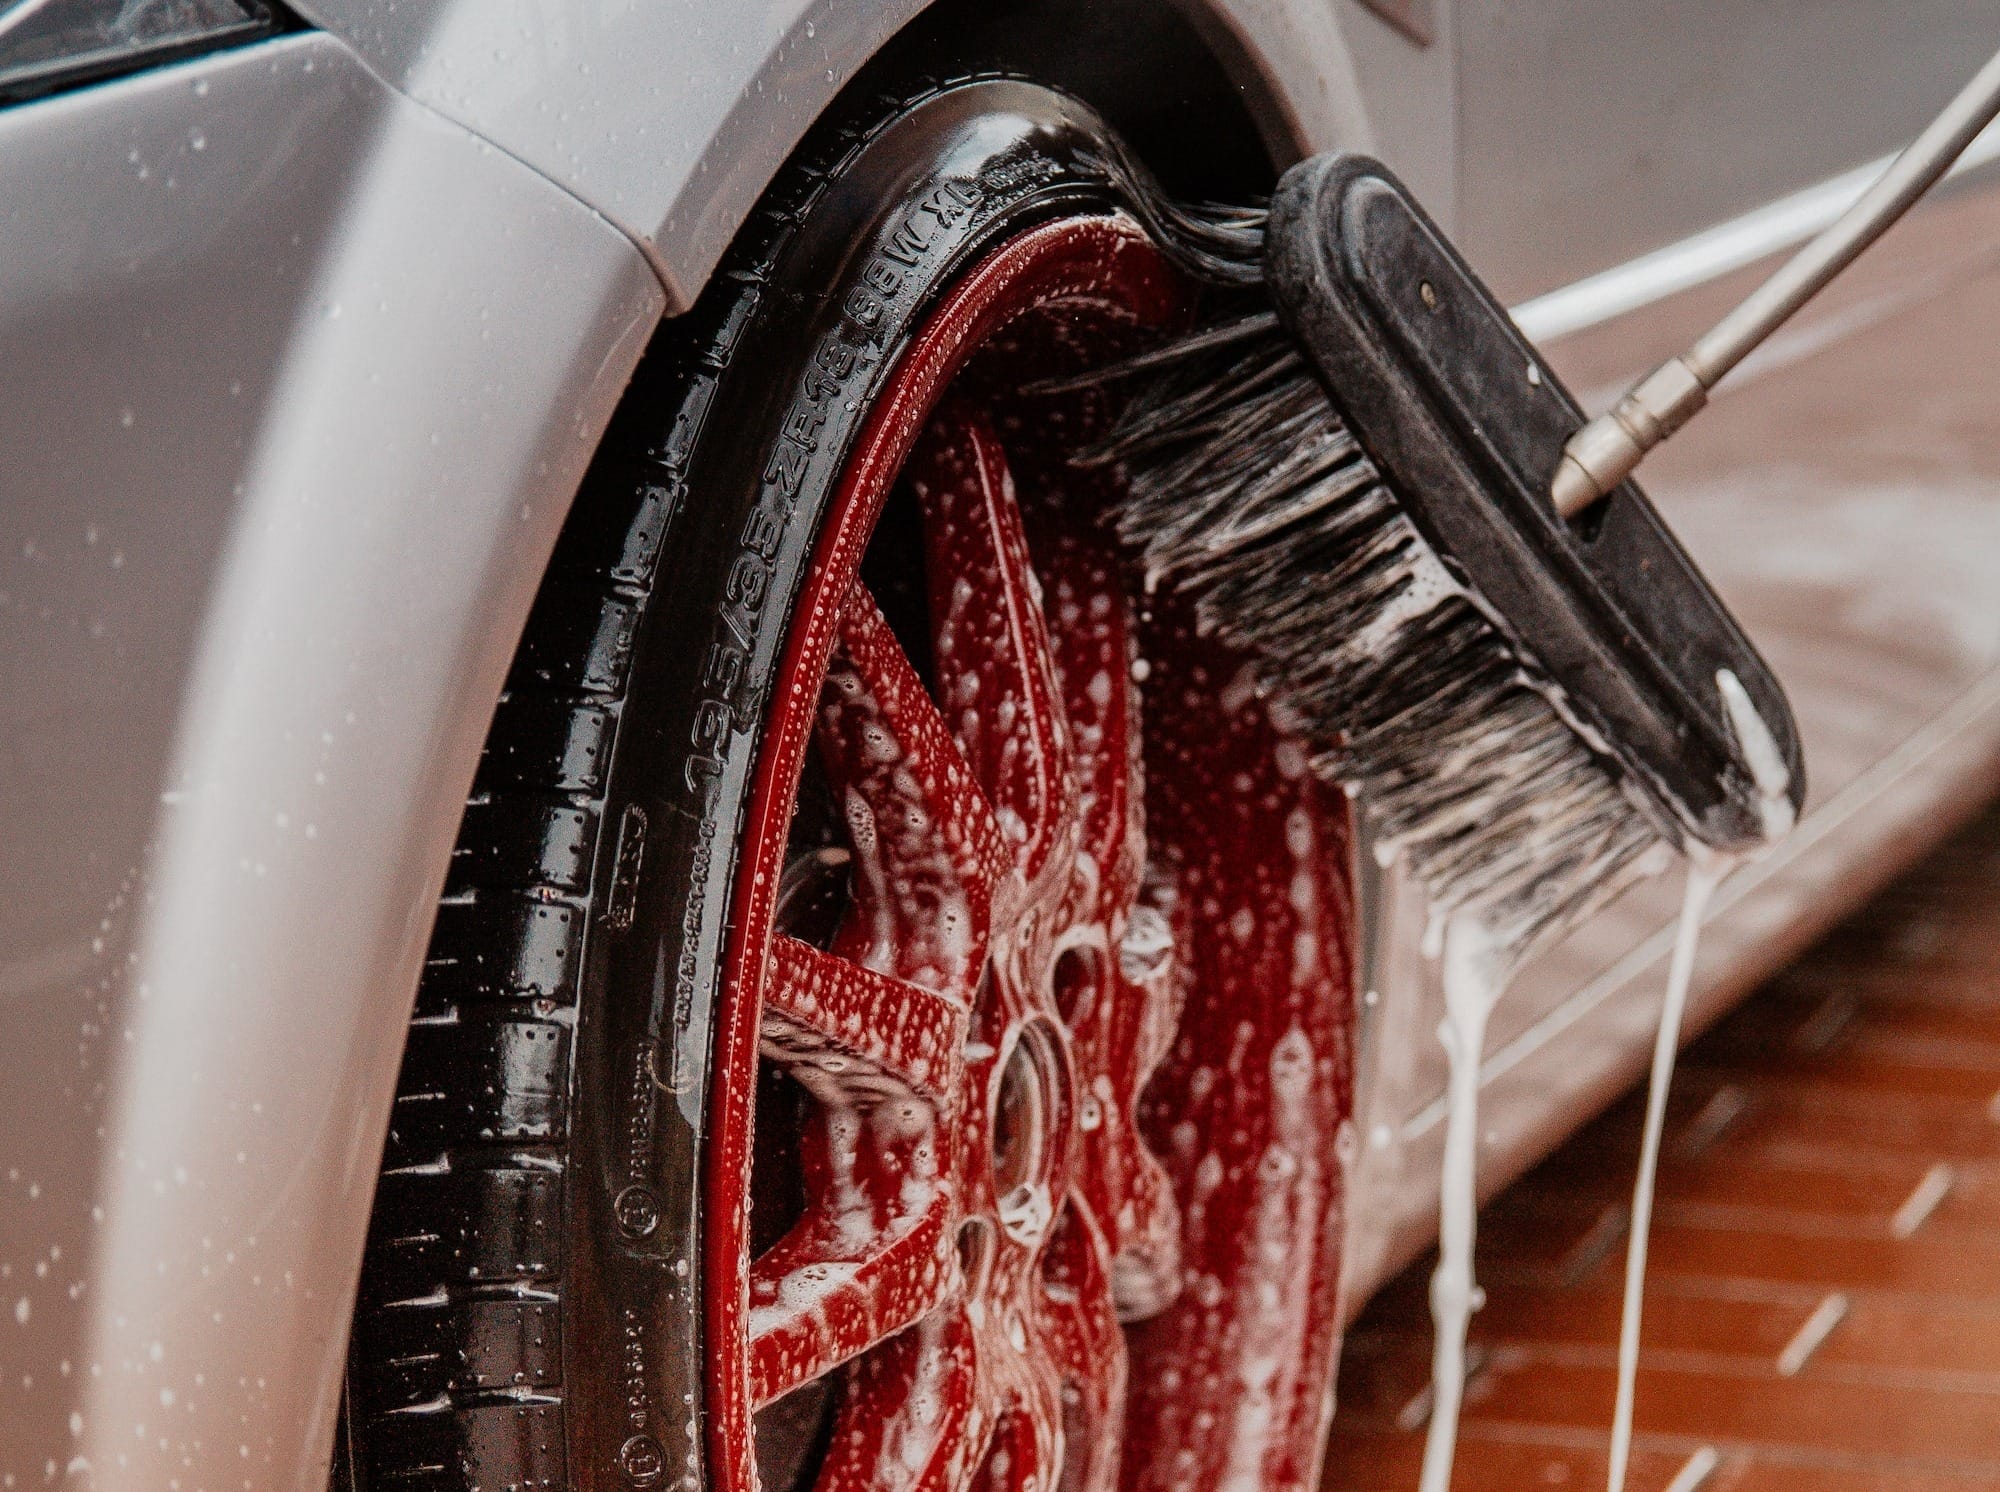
1608,449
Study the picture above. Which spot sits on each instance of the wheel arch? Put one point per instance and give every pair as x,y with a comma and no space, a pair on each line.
677,156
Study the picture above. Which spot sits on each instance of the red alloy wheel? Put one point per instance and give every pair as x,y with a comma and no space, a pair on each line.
1076,1052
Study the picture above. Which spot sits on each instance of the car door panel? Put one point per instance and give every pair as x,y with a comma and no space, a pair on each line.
1593,132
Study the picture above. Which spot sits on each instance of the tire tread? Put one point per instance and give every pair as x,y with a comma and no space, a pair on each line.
455,1368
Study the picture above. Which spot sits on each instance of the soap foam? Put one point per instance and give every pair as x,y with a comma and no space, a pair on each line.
1477,964
1476,970
1760,749
1705,873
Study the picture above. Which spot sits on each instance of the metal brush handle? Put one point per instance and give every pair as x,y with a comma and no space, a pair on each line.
1608,449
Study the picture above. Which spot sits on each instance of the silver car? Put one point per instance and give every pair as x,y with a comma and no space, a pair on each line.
609,880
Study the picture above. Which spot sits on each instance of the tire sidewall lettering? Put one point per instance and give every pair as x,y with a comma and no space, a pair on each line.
820,419
752,554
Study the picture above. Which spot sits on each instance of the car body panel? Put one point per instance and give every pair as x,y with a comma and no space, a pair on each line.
308,404
1409,96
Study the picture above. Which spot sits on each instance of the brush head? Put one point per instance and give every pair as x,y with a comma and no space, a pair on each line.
1348,467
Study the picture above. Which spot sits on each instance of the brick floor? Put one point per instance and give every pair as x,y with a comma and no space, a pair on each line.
1824,1307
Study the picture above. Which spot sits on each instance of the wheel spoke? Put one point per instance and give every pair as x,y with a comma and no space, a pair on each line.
1079,1337
821,1296
855,1030
1121,1000
990,639
915,1416
1028,1447
927,847
872,1253
1146,1266
1093,670
1248,1108
1120,1031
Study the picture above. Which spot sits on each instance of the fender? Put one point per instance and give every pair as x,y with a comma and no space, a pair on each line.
294,406
670,116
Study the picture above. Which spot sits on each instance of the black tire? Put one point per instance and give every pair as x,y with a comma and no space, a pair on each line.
530,1300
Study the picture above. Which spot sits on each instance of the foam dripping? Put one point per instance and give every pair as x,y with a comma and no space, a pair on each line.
1477,964
1760,750
1706,871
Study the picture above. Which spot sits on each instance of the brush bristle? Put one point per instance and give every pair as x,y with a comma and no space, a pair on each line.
1247,492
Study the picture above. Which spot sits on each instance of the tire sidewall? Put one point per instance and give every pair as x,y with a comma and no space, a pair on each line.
767,384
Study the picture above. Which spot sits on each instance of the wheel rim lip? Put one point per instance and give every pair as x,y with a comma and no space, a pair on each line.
1107,257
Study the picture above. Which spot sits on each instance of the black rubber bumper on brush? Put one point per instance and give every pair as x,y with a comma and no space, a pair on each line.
1467,425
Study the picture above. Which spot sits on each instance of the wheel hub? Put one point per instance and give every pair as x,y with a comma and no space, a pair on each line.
1030,1103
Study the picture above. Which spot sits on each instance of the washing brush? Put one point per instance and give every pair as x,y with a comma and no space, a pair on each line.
1369,482
1346,469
